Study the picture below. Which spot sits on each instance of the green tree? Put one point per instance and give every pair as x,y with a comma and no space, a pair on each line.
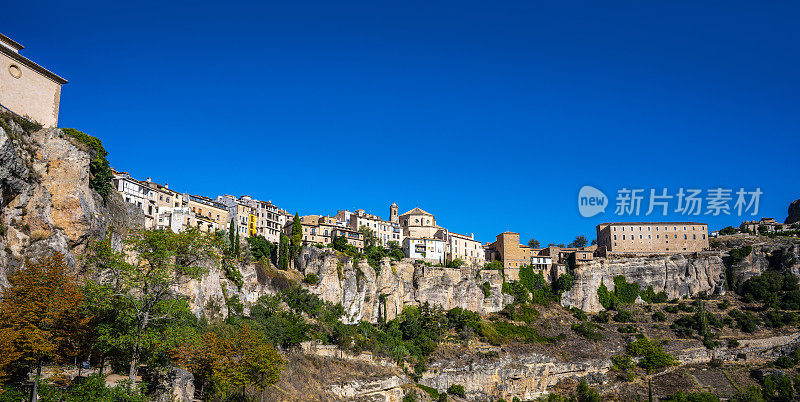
283,252
533,243
297,236
260,247
232,236
580,241
370,238
142,292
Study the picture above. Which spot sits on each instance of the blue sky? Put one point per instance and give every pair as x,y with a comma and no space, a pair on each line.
491,115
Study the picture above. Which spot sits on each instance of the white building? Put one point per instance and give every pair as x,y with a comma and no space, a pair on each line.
137,193
431,250
386,231
173,218
465,248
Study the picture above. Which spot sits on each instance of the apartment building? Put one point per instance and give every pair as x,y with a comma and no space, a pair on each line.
426,249
270,219
209,215
137,193
651,237
320,229
242,214
465,248
386,231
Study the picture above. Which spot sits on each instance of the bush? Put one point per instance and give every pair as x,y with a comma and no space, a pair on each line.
733,343
588,331
628,329
487,289
586,393
457,390
691,397
579,314
602,317
311,279
623,316
659,316
623,366
651,297
653,355
747,322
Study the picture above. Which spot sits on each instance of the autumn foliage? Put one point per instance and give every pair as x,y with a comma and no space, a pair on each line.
40,317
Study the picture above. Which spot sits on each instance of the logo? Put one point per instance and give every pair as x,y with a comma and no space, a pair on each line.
591,201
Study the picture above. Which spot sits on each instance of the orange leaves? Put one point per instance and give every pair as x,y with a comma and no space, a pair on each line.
40,315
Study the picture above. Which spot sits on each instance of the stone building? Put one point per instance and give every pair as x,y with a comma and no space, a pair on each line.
764,225
651,237
209,215
270,219
464,247
27,88
418,223
319,229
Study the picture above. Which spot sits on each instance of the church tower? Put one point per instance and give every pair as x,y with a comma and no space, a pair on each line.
393,217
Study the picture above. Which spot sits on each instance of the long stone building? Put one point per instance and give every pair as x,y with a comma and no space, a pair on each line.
651,237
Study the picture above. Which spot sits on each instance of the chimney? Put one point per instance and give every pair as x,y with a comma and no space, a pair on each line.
149,180
166,185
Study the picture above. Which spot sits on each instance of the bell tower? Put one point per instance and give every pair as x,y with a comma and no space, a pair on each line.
393,217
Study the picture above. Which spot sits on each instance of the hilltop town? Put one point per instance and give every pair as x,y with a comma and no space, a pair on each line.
136,290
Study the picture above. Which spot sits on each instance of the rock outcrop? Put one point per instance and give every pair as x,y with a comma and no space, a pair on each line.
367,295
794,212
45,201
676,275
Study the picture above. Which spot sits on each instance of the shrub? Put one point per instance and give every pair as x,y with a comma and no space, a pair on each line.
487,289
625,292
628,329
653,355
691,397
586,393
659,316
651,297
623,366
579,314
602,317
457,390
588,331
623,316
733,343
311,279
747,322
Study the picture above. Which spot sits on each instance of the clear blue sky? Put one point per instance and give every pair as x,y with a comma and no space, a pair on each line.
491,115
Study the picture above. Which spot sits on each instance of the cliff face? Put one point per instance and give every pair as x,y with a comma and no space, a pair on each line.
45,200
370,296
677,275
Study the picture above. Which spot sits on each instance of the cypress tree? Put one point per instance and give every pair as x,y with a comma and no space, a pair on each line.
236,245
232,235
283,252
297,235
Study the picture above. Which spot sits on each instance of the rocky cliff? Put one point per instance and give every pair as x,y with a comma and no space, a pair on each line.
45,200
676,275
372,295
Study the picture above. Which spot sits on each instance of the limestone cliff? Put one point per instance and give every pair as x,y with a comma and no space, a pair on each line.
676,275
45,200
372,296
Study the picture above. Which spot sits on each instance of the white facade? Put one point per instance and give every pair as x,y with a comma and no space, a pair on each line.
172,218
139,194
386,231
465,248
431,250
